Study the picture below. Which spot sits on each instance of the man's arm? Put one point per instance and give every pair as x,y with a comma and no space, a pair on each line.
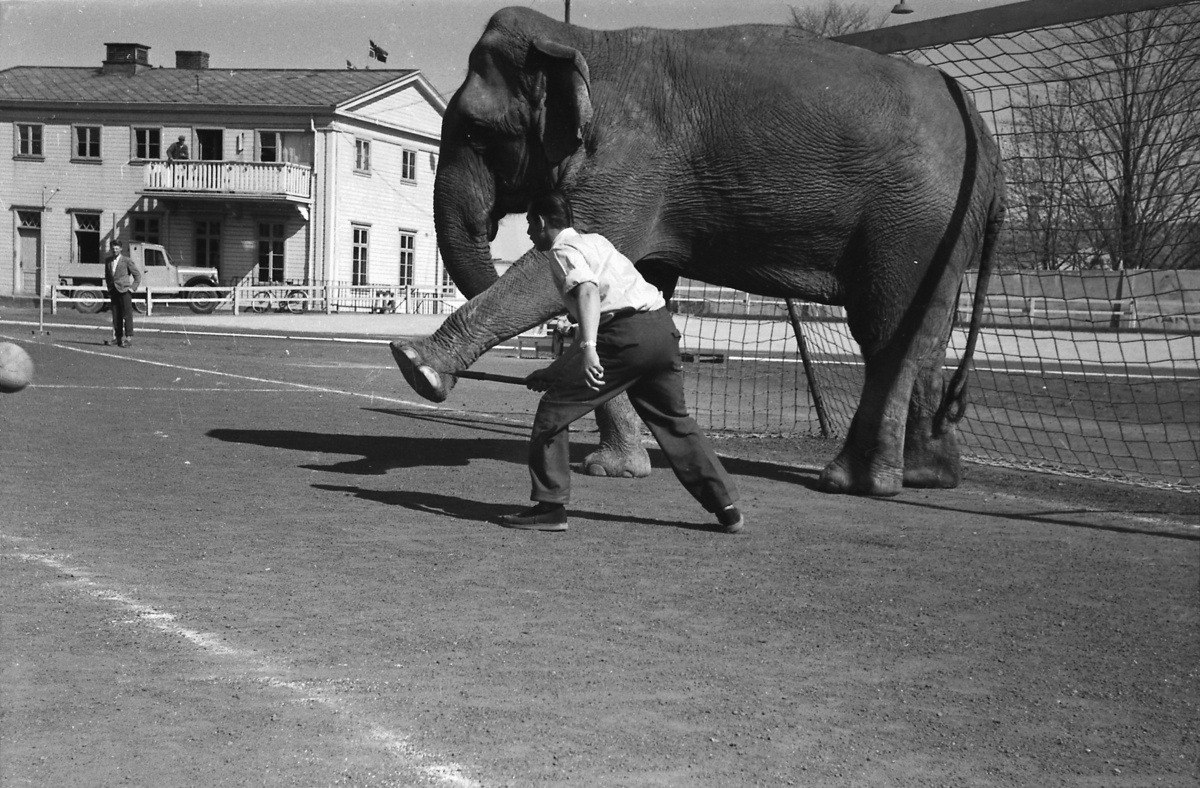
587,299
582,353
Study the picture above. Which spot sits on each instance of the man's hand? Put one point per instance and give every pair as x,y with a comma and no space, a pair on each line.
593,373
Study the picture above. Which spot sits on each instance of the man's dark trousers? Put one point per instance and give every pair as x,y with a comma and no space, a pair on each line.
640,355
122,311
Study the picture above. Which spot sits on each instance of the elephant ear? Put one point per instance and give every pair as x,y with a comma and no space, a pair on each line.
566,102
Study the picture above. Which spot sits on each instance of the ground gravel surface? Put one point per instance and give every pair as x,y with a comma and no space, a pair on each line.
238,561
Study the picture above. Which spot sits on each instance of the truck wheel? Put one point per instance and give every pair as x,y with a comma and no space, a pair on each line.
139,304
90,301
202,302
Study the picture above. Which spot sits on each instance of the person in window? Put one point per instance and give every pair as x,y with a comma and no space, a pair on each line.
178,150
122,276
626,342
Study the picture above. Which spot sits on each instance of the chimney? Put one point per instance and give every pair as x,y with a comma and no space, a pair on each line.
195,61
126,59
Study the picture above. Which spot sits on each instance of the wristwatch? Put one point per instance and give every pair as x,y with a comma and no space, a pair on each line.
588,343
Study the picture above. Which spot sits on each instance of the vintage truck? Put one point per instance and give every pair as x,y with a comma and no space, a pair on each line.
159,273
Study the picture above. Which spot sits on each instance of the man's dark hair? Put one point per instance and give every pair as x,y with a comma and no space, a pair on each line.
554,208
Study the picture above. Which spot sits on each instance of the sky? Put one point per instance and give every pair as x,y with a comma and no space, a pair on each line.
434,36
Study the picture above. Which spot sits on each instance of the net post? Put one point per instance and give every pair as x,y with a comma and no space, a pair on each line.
813,387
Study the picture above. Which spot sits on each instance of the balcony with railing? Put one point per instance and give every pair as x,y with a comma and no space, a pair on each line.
236,179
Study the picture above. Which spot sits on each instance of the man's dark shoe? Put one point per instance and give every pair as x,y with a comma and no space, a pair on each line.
540,517
730,519
127,343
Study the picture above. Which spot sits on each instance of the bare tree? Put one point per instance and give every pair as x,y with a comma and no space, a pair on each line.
836,19
1108,154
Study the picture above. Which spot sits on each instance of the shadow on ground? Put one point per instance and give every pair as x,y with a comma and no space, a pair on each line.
382,453
487,512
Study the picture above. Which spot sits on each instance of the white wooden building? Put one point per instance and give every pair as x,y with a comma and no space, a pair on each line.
315,177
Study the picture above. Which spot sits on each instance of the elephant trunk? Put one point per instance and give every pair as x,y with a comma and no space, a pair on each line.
463,203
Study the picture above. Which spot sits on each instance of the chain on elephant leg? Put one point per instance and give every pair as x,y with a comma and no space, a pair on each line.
621,452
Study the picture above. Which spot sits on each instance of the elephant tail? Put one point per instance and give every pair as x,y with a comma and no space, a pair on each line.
954,400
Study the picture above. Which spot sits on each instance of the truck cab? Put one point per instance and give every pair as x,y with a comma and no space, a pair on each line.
161,276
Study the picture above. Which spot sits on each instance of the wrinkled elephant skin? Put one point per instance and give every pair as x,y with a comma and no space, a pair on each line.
757,158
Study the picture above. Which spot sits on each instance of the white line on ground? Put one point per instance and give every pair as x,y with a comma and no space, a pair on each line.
81,581
233,334
252,379
1047,368
169,388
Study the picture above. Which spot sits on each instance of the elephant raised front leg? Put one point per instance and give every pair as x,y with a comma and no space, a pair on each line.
430,365
620,454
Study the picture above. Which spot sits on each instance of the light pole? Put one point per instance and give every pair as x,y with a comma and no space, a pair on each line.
567,11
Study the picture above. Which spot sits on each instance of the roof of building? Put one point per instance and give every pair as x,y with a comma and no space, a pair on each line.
190,87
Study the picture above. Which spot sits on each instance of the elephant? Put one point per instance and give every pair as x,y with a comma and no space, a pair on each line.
754,157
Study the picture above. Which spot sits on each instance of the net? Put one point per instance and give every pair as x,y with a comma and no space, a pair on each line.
1088,362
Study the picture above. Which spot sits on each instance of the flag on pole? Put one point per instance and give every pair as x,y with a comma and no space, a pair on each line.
378,52
350,66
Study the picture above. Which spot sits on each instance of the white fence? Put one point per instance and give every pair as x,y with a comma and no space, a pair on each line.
254,297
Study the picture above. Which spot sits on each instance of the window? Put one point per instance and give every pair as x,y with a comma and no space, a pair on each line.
87,238
408,166
147,144
448,288
29,140
208,244
408,253
154,258
362,155
362,239
270,252
146,228
268,146
87,142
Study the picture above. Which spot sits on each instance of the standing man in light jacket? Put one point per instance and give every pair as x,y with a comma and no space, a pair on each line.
123,277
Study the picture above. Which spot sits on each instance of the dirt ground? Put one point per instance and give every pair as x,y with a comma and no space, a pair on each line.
237,561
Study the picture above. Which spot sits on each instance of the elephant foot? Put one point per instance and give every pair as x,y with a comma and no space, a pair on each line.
933,477
932,463
424,379
633,463
839,479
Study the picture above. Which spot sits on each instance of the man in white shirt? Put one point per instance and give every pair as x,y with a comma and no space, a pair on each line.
626,342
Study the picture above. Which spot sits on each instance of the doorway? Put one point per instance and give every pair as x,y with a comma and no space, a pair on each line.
211,143
29,252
